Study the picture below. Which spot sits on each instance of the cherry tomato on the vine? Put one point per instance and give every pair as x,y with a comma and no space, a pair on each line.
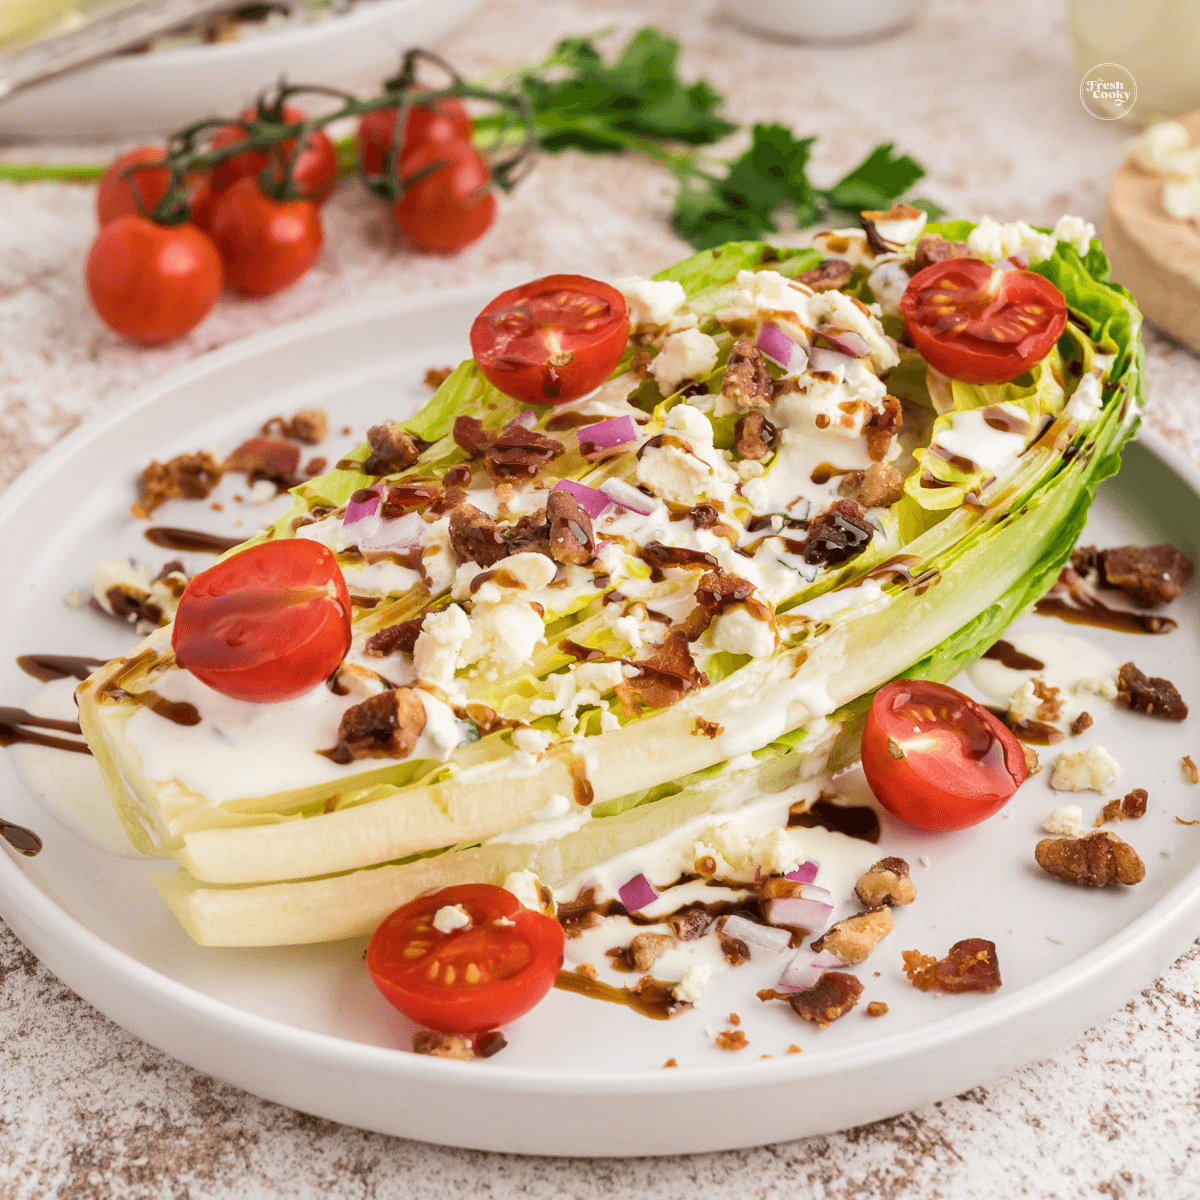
475,977
152,283
314,172
936,759
451,206
980,324
265,244
117,193
553,339
443,120
267,623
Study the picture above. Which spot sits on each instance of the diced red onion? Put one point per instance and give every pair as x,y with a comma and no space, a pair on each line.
606,435
403,533
755,934
809,910
821,359
806,872
358,510
845,340
637,893
528,419
621,492
805,969
1014,262
590,499
776,345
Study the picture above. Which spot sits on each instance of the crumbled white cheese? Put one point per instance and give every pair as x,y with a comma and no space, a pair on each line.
1167,850
925,860
1104,686
1155,147
652,302
1075,231
76,598
901,225
451,917
532,741
438,646
109,573
681,475
262,491
503,637
1093,769
842,311
1086,399
1181,198
608,721
849,245
888,281
600,676
1023,704
1066,821
527,888
776,852
557,806
995,240
686,355
739,631
694,981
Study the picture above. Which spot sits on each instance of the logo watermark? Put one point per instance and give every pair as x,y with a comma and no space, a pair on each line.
1108,91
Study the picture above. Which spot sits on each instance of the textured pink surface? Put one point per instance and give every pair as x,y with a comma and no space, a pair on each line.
88,1111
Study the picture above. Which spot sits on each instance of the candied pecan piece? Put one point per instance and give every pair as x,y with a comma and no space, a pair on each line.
1146,574
657,554
1096,860
186,476
731,1039
268,457
646,947
881,426
408,497
879,486
828,276
1153,696
391,450
877,1008
837,534
734,949
571,537
516,452
394,639
434,377
970,966
852,939
933,248
754,436
748,383
716,590
470,435
1081,724
443,1045
1133,806
666,677
309,425
530,534
385,725
475,538
831,997
690,922
886,882
708,729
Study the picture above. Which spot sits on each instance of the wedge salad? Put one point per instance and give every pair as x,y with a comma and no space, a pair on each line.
642,559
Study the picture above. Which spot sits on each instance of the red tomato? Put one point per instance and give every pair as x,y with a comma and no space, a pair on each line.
470,979
265,244
116,193
553,339
267,623
152,283
936,759
444,120
315,171
975,323
453,205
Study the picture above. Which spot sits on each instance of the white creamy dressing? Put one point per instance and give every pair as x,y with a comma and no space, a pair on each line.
991,450
69,786
1080,670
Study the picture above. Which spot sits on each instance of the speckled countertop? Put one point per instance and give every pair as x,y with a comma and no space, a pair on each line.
985,94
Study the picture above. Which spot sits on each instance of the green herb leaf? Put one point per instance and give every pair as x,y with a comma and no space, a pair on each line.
877,182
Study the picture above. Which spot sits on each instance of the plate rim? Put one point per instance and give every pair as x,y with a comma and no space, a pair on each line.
300,1044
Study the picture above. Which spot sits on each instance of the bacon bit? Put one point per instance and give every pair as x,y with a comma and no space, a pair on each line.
794,1049
570,534
828,276
881,426
1148,575
475,538
1051,706
489,1043
395,638
513,452
877,1008
316,466
708,729
1153,696
970,966
266,457
933,248
670,1063
434,377
391,450
184,477
837,534
731,1039
831,997
1190,772
1081,723
734,1019
665,678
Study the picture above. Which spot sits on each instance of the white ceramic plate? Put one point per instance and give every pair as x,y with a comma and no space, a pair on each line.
134,95
305,1027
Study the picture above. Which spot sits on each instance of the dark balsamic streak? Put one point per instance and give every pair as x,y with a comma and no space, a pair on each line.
194,540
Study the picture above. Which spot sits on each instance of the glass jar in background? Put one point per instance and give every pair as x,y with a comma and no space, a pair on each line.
1157,41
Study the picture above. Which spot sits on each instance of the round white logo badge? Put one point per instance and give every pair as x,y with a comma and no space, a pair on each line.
1108,91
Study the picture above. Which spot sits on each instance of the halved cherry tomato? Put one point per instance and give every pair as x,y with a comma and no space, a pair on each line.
478,977
979,324
152,283
444,120
265,244
450,206
267,623
314,172
553,339
117,193
936,759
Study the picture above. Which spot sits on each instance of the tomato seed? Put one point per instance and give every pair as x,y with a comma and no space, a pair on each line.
473,973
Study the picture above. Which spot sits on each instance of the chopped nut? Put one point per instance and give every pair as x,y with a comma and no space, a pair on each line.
1134,804
970,966
933,248
1081,723
1147,574
1093,861
391,450
831,997
690,922
670,1063
754,436
886,882
881,426
852,939
879,486
747,382
434,377
475,538
1152,696
877,1008
186,476
266,458
571,537
1051,706
646,947
837,534
1110,812
489,1043
385,725
708,729
443,1045
1033,764
731,1039
587,971
828,276
309,425
1189,770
